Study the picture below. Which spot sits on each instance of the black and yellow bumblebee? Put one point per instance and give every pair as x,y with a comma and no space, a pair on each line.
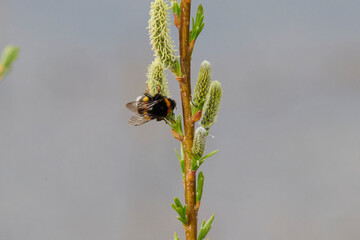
150,107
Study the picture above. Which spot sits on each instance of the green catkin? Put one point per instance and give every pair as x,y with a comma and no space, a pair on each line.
157,82
160,33
202,84
199,141
211,106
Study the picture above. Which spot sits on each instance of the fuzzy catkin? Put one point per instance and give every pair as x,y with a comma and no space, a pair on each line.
211,106
157,82
160,33
199,141
202,84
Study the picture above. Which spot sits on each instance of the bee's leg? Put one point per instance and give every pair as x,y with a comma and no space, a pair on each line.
159,118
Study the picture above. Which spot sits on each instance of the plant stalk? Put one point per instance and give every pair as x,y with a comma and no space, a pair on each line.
185,90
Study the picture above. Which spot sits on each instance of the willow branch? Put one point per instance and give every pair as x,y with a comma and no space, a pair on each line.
185,88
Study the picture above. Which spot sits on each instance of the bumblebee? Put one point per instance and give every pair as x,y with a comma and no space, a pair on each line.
149,108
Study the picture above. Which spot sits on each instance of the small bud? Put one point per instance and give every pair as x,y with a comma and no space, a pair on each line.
177,12
199,142
157,82
212,105
196,117
177,135
176,21
160,33
202,84
9,55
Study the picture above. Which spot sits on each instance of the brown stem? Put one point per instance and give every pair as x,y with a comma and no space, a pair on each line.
185,90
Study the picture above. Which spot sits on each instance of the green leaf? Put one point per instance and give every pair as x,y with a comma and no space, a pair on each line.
203,223
176,8
201,160
194,161
197,161
176,237
180,210
175,124
184,211
199,15
177,202
200,185
179,125
205,228
183,220
191,32
182,162
9,55
178,156
193,108
177,69
197,24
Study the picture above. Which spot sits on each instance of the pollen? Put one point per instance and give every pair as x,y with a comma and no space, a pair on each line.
145,99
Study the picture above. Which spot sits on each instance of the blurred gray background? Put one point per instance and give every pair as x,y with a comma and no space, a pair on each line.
288,128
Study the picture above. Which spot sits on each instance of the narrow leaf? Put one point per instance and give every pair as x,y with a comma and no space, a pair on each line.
200,185
201,160
8,56
197,24
178,156
180,211
205,228
184,221
177,202
176,237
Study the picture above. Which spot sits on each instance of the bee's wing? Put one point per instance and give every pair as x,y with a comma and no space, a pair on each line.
137,120
132,106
